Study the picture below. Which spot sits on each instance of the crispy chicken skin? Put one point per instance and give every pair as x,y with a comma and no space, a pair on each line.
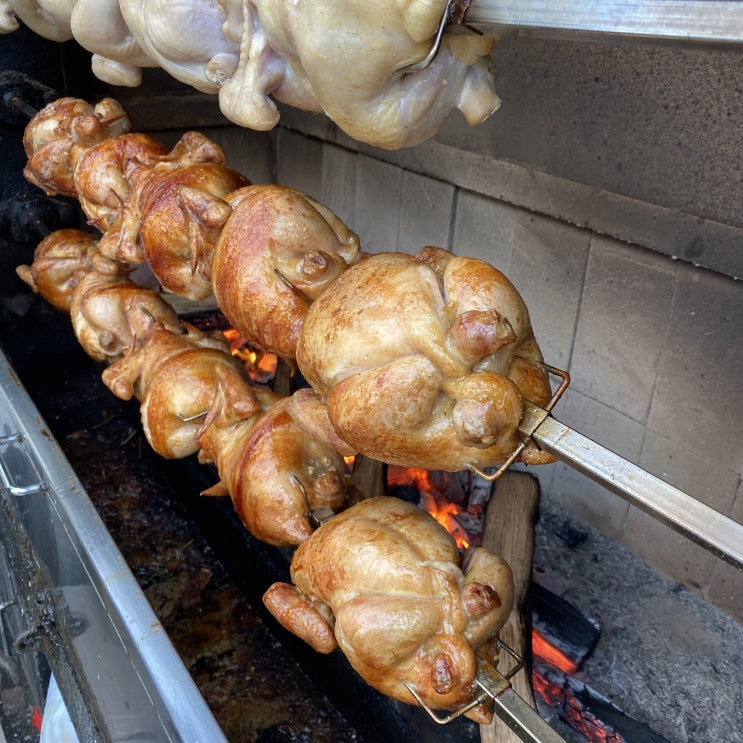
422,361
274,472
382,581
278,251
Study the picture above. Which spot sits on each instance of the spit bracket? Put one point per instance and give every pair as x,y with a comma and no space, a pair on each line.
495,688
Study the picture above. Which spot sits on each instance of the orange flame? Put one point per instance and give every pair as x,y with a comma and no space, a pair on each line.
442,510
260,365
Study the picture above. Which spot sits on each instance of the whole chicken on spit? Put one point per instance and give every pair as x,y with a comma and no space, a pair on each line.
279,251
422,361
58,134
382,581
365,64
194,395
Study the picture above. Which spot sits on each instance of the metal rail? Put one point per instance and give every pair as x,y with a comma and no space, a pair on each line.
120,676
684,20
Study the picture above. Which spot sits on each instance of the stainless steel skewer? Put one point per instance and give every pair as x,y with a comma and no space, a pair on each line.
697,521
685,20
495,688
692,518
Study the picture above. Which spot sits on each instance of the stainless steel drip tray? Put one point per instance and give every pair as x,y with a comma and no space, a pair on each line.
69,596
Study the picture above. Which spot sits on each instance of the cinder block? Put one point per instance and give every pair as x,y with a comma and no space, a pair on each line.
299,162
378,197
483,228
692,471
600,423
426,214
547,267
622,325
339,174
250,153
699,396
589,500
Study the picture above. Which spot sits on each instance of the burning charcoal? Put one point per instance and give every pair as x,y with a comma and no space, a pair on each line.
562,635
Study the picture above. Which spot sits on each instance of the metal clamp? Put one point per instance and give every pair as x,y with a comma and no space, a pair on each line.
495,688
533,416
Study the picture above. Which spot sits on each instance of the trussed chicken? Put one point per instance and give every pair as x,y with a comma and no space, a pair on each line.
171,215
278,251
351,57
275,473
174,376
109,312
58,134
383,582
422,361
355,60
61,259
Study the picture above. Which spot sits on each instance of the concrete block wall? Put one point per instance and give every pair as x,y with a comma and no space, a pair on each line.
654,346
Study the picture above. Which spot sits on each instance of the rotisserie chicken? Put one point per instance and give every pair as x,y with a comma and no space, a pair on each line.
57,135
353,59
275,473
278,251
382,581
423,361
194,395
61,259
173,375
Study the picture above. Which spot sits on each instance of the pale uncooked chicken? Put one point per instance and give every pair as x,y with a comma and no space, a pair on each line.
48,18
186,38
349,58
382,581
353,59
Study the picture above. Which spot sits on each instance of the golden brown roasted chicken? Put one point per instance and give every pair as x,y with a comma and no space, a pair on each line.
383,582
57,135
278,251
423,361
275,473
61,259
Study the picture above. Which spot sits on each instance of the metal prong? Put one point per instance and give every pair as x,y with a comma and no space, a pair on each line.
533,417
316,517
192,417
280,276
426,61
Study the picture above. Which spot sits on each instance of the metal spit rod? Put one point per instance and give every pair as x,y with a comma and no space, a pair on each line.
712,530
686,20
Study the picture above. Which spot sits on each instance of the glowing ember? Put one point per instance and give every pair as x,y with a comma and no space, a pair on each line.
545,650
446,512
260,365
